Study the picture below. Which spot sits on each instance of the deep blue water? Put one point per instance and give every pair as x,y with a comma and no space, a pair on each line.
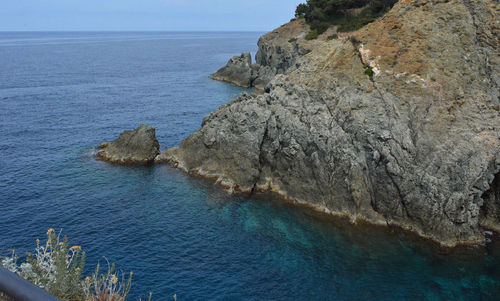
61,94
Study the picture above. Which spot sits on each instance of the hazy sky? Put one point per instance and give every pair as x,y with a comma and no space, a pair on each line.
251,15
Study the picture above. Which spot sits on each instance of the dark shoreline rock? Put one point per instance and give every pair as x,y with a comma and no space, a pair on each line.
132,147
414,143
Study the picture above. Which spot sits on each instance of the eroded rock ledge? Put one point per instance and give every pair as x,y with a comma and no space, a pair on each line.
415,142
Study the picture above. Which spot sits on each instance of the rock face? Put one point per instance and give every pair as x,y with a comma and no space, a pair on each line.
396,124
136,147
490,212
278,50
281,48
238,71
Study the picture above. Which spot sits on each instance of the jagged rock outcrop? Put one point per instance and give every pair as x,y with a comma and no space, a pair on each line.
238,71
397,124
264,75
281,48
278,51
135,147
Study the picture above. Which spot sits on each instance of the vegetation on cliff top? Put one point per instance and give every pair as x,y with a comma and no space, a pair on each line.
348,15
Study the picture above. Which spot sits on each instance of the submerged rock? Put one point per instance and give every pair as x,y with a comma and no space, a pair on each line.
383,125
137,146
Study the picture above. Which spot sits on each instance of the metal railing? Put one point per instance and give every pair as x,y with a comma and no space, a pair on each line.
19,289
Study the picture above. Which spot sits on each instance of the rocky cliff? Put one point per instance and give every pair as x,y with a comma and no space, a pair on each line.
278,51
397,123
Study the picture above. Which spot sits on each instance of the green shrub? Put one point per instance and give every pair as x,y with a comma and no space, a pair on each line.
58,268
321,14
313,34
301,10
332,37
369,72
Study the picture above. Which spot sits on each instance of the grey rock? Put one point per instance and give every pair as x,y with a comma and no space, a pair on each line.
415,145
490,211
238,71
264,75
134,147
281,48
278,51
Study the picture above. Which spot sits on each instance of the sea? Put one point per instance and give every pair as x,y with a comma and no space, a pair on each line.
63,93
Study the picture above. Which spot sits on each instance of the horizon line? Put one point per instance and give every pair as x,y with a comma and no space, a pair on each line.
179,31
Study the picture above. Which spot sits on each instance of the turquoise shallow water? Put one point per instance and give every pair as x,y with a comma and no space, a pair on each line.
61,94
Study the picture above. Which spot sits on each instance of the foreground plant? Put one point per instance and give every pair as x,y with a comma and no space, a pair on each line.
58,268
106,286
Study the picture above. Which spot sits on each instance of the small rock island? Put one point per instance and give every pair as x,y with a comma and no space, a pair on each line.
133,147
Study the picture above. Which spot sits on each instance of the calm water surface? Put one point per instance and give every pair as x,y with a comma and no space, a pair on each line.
61,94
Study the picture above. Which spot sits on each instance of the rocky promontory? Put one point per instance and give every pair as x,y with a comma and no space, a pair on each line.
278,51
134,147
238,71
397,123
